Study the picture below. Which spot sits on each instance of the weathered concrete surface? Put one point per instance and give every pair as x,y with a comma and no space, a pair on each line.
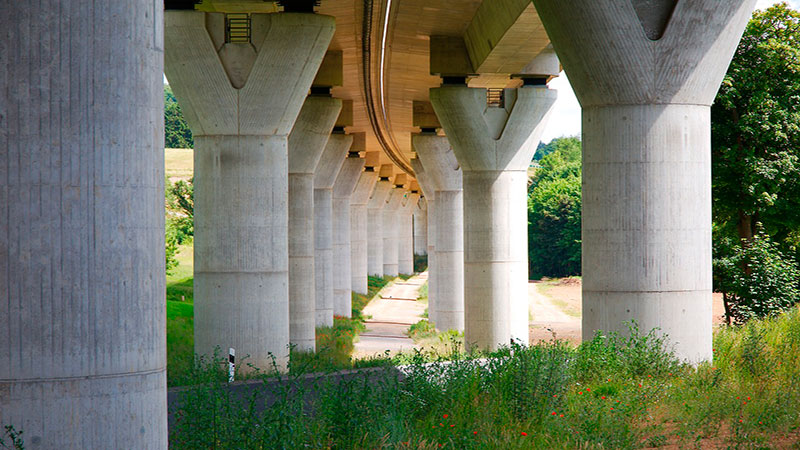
428,188
82,322
405,247
421,227
391,231
646,166
306,144
375,227
343,190
241,164
358,229
494,146
325,176
444,173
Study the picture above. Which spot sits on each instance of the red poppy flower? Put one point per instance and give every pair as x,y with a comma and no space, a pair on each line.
553,413
475,432
445,416
603,397
524,433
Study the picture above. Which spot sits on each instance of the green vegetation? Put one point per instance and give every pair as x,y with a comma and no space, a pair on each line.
179,221
176,131
611,392
14,438
420,263
756,169
554,211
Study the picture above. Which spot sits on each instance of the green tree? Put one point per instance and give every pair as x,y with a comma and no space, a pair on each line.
755,123
554,212
756,129
176,131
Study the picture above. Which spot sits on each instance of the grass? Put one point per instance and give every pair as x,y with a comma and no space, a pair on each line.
179,163
611,392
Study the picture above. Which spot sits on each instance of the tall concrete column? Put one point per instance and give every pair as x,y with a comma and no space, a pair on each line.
494,146
241,101
359,240
82,324
421,227
375,207
391,231
442,168
428,188
405,248
645,89
343,190
325,176
306,144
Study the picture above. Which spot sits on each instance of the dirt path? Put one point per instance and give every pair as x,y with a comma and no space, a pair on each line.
549,316
391,315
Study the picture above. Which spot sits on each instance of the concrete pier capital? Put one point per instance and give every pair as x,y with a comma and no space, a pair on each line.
610,60
493,138
331,161
439,161
311,133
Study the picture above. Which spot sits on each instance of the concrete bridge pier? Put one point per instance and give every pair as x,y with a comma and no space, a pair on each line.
645,79
375,207
405,249
82,322
442,168
494,145
325,176
306,144
391,230
343,190
421,227
428,188
358,222
241,168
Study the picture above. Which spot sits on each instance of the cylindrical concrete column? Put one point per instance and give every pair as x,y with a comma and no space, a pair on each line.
82,322
428,188
405,248
494,146
375,226
444,173
325,176
645,94
306,144
391,231
421,227
359,240
342,257
241,162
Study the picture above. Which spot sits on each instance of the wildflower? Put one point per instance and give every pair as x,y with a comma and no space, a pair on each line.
452,425
588,390
560,415
553,413
603,397
612,408
649,376
580,393
475,433
640,384
524,433
740,420
445,416
748,399
441,424
759,422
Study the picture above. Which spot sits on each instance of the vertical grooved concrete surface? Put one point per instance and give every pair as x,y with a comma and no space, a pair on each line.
359,239
375,207
82,320
342,256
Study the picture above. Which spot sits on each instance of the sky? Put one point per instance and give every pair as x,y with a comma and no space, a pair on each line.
565,119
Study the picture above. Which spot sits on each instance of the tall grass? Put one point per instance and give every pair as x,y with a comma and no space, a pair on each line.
611,392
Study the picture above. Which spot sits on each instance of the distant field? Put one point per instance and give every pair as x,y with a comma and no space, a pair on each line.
179,163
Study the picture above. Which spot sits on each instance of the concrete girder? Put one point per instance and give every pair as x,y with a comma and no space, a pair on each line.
646,149
494,146
324,177
241,165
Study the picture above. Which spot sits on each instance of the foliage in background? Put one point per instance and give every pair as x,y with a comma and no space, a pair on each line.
176,131
554,212
611,392
179,221
756,278
755,123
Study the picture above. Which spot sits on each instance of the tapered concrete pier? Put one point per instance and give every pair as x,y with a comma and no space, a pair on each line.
494,145
324,177
428,188
343,190
375,207
645,76
444,173
359,240
405,248
82,321
241,165
391,231
421,227
306,144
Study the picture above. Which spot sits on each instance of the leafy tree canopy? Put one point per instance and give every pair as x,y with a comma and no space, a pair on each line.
176,131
